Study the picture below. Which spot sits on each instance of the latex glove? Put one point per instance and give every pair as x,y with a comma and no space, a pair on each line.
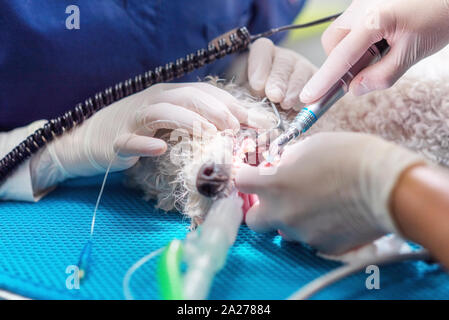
414,30
125,131
331,190
278,73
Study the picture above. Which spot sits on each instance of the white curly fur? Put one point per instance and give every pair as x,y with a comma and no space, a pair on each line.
171,178
414,113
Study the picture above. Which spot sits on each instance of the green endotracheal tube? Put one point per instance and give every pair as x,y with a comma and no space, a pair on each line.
204,252
169,272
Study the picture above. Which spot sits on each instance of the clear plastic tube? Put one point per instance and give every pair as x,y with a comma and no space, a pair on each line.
205,250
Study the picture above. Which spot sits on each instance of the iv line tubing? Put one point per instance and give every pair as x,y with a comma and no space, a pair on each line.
130,272
346,270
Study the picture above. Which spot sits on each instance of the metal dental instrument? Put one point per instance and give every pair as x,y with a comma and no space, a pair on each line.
280,123
310,114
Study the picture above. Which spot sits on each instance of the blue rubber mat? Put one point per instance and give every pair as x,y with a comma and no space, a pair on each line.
38,242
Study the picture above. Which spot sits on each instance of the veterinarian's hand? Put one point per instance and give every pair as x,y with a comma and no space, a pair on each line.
278,73
331,190
414,30
123,132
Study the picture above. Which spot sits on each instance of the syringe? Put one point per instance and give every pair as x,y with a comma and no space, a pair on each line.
310,114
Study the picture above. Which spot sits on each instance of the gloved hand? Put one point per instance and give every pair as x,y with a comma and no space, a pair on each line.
278,73
331,190
125,131
414,29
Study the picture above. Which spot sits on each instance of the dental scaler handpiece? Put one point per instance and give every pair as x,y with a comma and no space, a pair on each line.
310,114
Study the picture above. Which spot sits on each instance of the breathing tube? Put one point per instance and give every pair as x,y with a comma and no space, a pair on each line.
236,40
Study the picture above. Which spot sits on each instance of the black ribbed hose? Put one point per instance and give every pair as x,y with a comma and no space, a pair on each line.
234,41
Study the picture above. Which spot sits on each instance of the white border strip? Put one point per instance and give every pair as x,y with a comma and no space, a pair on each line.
6,295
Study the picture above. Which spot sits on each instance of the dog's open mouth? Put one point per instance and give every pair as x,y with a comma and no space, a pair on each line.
215,180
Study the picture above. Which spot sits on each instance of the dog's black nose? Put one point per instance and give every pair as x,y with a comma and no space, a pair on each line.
212,179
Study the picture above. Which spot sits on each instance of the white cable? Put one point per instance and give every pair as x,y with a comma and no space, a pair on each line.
127,278
97,204
335,275
92,225
100,194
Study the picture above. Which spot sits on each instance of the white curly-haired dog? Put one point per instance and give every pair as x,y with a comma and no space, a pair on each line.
413,113
197,170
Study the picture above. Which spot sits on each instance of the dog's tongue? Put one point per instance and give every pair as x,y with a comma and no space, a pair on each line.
248,201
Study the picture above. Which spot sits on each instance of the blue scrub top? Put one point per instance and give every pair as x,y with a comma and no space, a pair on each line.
46,69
